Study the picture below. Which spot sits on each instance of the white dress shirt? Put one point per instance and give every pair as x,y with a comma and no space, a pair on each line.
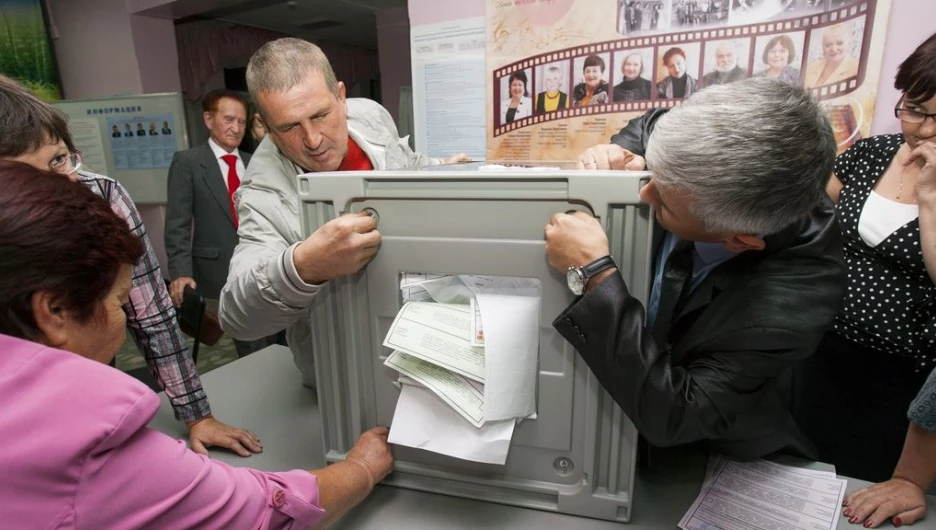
218,153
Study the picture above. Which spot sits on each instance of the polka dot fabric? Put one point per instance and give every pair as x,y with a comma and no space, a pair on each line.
889,305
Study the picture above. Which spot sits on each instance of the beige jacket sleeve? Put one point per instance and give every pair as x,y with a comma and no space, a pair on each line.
263,293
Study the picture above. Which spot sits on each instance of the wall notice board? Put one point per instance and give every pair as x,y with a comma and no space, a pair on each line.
131,139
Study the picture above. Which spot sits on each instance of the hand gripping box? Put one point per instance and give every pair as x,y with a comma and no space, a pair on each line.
577,456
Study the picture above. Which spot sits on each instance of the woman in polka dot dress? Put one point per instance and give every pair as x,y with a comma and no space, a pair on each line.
852,395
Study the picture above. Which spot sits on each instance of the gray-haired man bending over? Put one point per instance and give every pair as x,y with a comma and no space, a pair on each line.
748,269
275,272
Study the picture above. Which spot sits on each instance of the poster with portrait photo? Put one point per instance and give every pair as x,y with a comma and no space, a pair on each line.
516,101
698,14
834,52
677,70
632,75
725,61
553,87
590,75
533,34
780,56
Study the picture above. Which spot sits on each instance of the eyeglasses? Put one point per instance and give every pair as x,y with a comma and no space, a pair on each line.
911,116
66,164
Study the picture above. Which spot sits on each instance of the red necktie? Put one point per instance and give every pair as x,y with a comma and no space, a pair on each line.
232,182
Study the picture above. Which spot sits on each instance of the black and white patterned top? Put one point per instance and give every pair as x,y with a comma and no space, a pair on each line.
890,304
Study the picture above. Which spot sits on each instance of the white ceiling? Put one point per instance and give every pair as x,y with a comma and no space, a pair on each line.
345,21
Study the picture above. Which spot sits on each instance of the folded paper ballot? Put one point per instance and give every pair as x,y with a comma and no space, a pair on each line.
764,494
465,396
442,349
439,334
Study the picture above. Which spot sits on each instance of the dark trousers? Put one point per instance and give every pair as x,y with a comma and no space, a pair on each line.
852,401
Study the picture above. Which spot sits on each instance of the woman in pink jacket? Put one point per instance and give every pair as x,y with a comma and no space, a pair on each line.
77,451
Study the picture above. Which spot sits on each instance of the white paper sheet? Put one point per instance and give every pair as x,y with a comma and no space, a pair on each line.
511,343
448,289
761,494
439,334
465,396
423,421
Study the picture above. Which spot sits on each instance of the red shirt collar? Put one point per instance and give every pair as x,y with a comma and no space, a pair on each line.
355,159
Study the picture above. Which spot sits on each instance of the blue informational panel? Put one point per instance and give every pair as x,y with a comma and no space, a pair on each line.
130,138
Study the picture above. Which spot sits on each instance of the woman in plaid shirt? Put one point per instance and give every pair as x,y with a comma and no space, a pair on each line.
35,133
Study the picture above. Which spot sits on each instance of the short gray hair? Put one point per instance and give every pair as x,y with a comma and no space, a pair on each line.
283,63
754,156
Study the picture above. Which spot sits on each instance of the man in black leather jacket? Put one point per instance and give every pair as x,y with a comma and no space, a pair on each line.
739,173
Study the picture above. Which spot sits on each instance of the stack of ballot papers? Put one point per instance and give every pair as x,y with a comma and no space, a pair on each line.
761,494
464,385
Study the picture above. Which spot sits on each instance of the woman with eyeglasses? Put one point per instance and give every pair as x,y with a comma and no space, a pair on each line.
853,393
33,132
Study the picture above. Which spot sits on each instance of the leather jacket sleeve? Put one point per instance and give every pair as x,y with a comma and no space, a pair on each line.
675,404
636,134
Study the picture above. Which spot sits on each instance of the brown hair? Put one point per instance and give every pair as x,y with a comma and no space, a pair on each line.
211,99
916,76
594,60
784,41
670,53
56,236
28,123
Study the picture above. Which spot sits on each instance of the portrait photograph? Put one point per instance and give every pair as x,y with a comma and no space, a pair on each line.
834,52
632,75
553,86
677,70
725,61
780,56
515,92
590,75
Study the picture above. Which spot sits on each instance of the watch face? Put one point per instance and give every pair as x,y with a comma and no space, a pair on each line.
576,280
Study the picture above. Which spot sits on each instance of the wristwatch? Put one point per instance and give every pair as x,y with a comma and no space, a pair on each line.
577,277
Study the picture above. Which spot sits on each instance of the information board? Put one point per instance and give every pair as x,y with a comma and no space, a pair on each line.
130,138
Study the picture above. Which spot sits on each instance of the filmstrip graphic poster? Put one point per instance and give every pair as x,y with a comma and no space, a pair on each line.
568,74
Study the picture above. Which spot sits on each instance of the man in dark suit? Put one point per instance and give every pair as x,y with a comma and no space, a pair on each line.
128,132
747,269
201,187
115,132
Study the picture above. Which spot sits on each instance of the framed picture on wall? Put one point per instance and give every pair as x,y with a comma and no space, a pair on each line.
29,59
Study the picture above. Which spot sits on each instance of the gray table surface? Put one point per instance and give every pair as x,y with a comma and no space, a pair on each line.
263,393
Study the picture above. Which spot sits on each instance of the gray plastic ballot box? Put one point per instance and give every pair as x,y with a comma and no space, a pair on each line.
578,456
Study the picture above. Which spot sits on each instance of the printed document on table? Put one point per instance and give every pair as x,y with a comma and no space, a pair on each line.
465,396
439,334
760,494
423,421
718,462
511,344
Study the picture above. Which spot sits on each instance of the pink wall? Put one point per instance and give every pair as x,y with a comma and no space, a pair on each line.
911,22
155,45
102,50
393,49
95,48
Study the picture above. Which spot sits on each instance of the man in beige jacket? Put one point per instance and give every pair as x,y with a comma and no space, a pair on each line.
275,272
